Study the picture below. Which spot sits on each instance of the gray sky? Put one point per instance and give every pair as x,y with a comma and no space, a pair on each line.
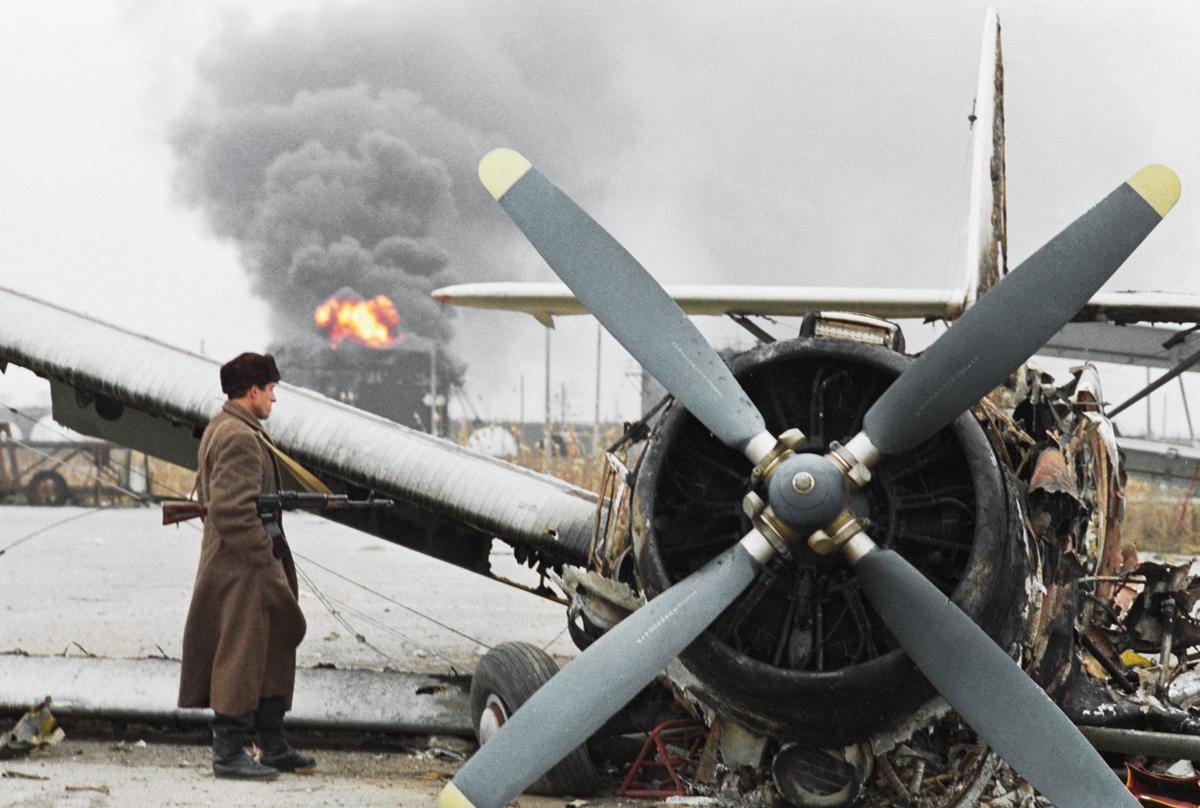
821,143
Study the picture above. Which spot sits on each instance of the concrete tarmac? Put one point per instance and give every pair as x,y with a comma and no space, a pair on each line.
110,774
115,584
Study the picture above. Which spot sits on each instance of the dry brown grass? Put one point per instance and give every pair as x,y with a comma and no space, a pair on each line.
1160,519
571,461
169,480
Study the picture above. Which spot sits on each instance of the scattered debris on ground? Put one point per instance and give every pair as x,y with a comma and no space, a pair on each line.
36,728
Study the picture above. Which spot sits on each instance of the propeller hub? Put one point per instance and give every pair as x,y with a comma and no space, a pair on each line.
803,483
807,491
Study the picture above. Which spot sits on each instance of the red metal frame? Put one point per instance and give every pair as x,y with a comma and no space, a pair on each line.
687,737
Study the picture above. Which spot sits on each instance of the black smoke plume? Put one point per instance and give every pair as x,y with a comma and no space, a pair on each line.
340,148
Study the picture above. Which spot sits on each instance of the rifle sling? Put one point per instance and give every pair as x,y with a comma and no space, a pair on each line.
303,476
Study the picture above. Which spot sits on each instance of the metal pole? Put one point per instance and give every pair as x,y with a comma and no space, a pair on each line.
1152,386
1187,411
1139,742
433,386
1149,425
521,412
546,422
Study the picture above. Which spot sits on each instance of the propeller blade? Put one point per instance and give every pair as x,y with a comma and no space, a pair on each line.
1020,313
987,688
596,684
623,296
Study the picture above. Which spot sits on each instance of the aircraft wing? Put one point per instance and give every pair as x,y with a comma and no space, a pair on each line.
1141,345
1143,307
150,396
1160,461
547,300
1102,331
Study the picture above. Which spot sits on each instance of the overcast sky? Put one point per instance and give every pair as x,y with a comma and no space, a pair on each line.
819,143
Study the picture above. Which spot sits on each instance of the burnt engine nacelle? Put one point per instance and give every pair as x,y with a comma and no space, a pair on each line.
801,655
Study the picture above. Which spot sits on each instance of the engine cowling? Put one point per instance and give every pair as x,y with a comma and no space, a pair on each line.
801,655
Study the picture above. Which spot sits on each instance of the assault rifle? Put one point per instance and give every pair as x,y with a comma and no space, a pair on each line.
270,506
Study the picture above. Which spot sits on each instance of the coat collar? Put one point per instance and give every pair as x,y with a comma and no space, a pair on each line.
243,415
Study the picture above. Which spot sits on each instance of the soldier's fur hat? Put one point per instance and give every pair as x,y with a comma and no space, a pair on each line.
247,370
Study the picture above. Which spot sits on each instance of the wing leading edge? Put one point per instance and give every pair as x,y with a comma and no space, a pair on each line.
545,301
548,300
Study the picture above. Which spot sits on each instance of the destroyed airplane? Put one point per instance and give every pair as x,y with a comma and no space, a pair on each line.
842,438
804,686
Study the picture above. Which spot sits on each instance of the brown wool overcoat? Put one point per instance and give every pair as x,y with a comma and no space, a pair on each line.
239,643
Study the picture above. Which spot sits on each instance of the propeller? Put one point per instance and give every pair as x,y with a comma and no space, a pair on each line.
618,665
809,492
1005,707
1020,314
623,296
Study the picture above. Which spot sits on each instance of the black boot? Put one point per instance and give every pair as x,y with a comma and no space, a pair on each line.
275,752
229,749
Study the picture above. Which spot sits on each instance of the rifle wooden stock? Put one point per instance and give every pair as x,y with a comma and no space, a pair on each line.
175,511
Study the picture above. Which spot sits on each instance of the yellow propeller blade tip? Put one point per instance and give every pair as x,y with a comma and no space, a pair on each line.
500,169
1158,185
451,797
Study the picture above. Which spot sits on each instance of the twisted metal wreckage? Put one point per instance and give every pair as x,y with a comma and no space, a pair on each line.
734,505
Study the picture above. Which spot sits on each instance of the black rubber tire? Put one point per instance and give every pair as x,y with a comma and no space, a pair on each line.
513,671
47,488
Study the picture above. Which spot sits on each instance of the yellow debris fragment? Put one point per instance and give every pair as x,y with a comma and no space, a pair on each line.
1132,659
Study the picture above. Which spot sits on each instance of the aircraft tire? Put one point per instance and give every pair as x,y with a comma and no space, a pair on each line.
504,679
47,488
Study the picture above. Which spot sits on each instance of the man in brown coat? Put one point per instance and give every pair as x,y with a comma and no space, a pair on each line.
239,644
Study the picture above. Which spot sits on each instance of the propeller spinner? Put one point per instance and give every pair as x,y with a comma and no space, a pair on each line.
807,495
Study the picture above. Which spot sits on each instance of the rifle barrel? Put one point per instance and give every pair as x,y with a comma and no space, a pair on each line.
305,500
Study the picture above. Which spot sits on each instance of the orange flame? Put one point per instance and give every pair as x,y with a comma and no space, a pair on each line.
368,322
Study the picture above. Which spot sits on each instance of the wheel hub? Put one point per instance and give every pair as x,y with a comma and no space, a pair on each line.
492,718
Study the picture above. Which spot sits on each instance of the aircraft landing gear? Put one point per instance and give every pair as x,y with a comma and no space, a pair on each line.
504,679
